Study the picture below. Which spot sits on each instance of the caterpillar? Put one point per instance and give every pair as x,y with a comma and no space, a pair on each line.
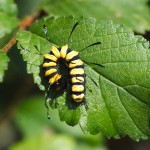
75,77
72,61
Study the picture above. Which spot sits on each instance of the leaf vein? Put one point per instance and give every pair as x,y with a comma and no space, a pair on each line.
129,113
120,87
107,107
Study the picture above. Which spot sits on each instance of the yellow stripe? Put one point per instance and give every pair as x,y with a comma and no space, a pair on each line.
77,79
56,52
74,61
51,57
54,79
77,88
77,71
57,77
63,51
78,98
71,55
50,71
50,64
78,63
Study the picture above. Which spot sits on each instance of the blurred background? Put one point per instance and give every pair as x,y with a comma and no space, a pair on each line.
23,119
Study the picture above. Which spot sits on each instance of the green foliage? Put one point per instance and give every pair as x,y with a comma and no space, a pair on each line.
27,111
52,142
118,93
45,142
3,64
8,13
33,58
27,7
134,14
37,130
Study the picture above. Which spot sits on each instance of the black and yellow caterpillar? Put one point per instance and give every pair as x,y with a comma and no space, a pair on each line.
71,59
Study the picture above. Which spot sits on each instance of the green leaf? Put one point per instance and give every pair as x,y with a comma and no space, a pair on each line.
3,64
123,12
118,93
34,58
8,17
